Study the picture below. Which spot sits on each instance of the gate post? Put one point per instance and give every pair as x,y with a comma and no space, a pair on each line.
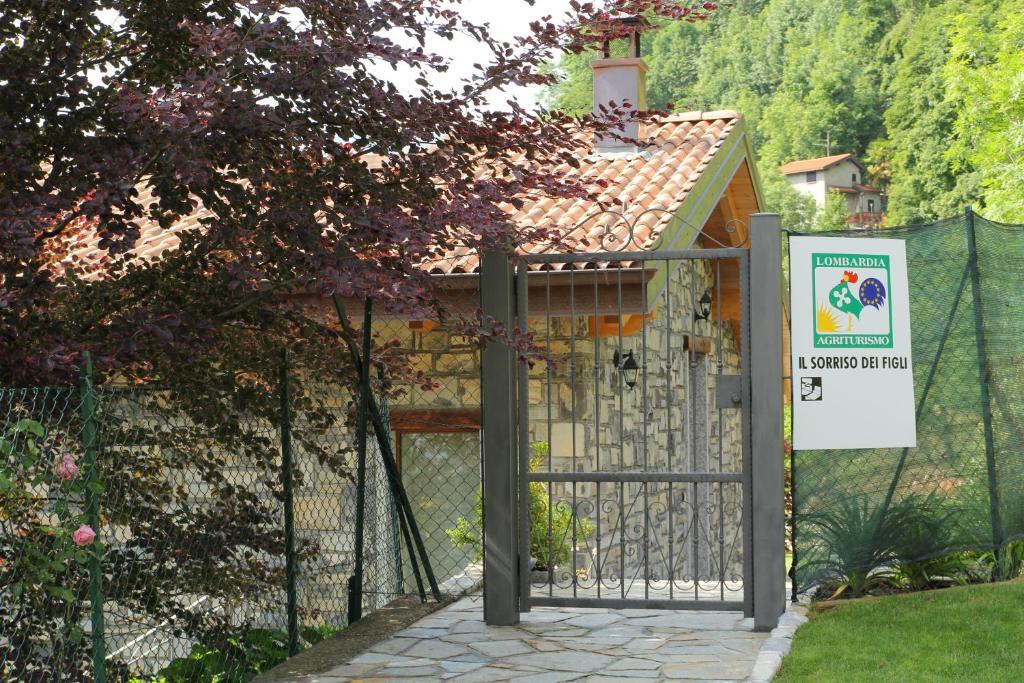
498,414
767,506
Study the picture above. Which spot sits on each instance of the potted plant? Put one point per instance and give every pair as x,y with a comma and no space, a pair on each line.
547,550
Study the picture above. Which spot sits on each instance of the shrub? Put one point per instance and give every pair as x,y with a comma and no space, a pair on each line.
239,659
859,544
45,543
922,547
926,573
1008,565
175,523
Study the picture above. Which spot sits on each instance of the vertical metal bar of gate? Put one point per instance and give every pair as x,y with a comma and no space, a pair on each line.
598,562
669,403
691,411
622,439
646,462
748,476
572,418
522,319
720,366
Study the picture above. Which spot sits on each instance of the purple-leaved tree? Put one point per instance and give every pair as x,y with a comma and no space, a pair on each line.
217,158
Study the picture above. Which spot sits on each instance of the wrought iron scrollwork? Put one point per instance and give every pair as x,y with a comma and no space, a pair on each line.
620,232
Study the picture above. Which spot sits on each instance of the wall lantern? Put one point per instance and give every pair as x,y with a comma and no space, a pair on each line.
627,366
704,310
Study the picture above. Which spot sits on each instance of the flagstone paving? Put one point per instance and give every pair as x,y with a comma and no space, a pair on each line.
562,644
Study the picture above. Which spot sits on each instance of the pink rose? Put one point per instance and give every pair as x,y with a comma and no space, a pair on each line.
83,536
66,469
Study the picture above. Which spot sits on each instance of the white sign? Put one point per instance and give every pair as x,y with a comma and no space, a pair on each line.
853,386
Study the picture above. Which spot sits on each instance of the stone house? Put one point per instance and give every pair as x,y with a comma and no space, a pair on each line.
842,173
693,186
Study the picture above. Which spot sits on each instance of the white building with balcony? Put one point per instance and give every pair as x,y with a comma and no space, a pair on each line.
843,173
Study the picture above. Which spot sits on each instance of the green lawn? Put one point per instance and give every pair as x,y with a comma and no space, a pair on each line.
972,633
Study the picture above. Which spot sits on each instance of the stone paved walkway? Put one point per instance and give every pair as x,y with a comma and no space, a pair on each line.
562,645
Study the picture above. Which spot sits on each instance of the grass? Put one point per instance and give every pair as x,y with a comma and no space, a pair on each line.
969,633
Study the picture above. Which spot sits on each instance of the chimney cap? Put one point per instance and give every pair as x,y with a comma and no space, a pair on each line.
630,22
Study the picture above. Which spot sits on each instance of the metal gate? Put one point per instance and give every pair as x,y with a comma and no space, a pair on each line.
634,438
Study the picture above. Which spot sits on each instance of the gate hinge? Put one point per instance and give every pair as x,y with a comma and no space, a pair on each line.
728,391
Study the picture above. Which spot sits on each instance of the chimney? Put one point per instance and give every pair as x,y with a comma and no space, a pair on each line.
619,80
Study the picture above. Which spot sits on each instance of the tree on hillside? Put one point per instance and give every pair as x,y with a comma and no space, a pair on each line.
829,91
796,210
919,123
833,215
798,72
927,91
986,76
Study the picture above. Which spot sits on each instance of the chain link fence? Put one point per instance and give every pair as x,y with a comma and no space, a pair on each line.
437,430
861,514
151,534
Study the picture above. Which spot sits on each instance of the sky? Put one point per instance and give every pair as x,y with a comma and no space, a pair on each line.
507,19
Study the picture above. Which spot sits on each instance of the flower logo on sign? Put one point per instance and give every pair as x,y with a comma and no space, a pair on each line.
842,297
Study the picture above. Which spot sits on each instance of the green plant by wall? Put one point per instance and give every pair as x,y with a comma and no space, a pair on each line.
857,544
547,549
927,527
1008,565
243,657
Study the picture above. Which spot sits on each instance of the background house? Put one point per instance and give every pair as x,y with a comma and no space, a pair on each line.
843,173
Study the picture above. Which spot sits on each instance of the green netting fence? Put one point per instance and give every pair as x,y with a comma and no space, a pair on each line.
860,512
150,533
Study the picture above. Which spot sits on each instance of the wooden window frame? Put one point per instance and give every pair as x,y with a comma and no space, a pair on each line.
432,421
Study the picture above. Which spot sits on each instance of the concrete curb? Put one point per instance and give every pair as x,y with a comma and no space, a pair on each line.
769,658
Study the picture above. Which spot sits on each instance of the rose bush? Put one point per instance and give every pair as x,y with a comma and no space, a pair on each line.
45,541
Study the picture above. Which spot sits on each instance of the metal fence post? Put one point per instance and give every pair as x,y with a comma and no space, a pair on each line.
291,568
501,590
355,586
767,507
92,511
986,404
793,584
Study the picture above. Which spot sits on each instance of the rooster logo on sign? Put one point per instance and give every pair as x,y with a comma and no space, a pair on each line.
843,299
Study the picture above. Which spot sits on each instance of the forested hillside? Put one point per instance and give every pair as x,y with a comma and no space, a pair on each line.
929,94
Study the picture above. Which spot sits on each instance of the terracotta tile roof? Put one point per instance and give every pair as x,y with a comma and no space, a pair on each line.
819,164
651,184
81,246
